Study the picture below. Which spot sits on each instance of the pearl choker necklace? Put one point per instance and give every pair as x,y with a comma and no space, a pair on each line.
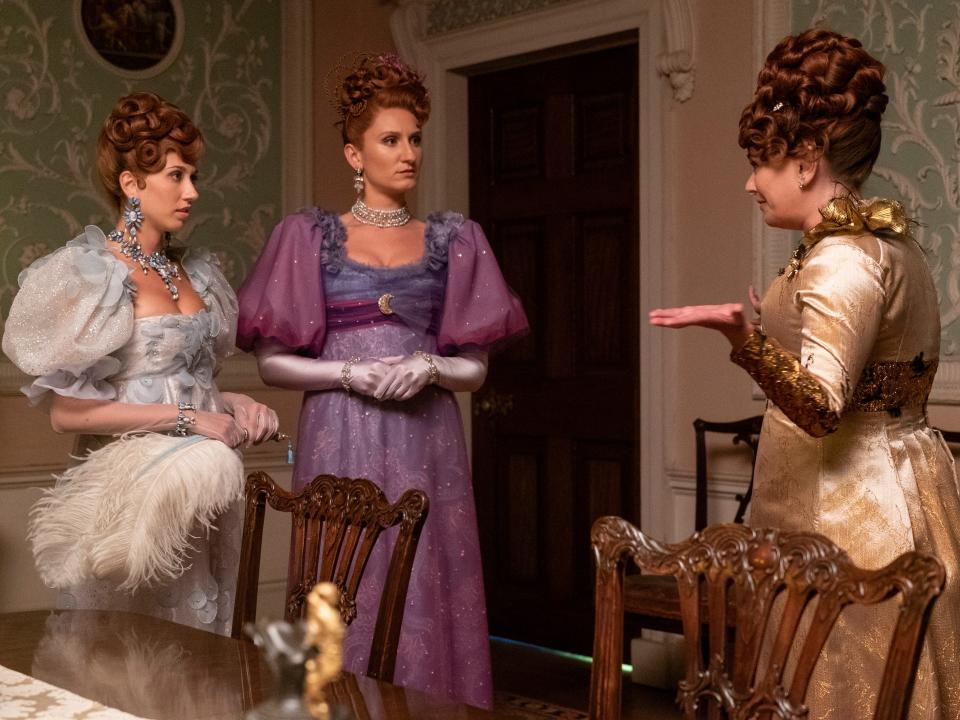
380,218
156,261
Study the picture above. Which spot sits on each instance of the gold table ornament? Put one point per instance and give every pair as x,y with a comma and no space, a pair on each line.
324,632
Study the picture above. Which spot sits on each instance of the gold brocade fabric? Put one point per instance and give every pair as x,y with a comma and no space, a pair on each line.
781,376
889,386
849,216
856,331
892,386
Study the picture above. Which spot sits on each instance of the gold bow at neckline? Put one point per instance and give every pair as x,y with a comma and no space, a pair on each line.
847,216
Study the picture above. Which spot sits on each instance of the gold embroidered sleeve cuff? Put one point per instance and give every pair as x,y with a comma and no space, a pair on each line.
787,384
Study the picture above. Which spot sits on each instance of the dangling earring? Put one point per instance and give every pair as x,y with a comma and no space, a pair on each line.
802,184
132,216
358,181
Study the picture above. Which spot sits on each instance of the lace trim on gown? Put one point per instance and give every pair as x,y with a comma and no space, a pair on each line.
441,228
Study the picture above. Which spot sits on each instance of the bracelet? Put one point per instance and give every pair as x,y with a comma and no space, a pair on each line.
345,373
183,420
431,366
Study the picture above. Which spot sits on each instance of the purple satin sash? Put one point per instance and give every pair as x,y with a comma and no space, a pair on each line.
416,312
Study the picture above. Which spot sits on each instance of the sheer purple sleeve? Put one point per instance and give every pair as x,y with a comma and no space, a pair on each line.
480,310
282,298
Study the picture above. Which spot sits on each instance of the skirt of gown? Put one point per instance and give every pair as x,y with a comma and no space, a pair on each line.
444,644
877,487
202,597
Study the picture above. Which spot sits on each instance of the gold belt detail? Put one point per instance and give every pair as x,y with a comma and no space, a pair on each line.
894,385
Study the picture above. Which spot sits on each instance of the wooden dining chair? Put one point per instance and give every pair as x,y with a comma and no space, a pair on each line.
952,437
654,600
336,524
753,566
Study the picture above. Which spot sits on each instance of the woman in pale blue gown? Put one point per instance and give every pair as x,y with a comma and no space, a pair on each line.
124,337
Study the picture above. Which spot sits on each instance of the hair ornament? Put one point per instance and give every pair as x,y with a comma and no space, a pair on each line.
778,106
333,81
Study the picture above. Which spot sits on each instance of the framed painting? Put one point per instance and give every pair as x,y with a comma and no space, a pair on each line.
131,38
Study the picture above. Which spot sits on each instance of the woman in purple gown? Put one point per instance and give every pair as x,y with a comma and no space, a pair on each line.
379,318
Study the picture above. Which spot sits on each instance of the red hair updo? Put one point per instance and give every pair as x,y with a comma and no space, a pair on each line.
376,82
141,129
818,92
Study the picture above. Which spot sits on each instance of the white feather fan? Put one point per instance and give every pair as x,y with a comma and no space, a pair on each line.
128,510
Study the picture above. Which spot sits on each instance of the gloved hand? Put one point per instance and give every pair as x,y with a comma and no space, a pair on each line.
255,419
367,375
218,426
408,375
281,368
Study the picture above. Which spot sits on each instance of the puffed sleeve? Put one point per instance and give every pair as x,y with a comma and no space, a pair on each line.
73,309
480,310
282,298
841,293
208,280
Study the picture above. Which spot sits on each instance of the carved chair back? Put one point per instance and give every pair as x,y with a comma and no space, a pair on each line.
336,523
653,601
753,567
745,431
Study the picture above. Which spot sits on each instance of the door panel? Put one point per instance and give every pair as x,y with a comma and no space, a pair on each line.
553,167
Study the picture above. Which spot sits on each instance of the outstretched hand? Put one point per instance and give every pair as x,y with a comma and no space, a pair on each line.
727,319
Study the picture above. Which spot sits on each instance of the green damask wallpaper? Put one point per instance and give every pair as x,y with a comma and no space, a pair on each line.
919,42
54,95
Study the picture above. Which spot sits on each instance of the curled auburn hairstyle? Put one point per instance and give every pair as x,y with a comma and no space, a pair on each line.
141,129
376,82
818,93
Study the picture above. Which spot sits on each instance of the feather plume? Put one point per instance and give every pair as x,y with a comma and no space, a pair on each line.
129,510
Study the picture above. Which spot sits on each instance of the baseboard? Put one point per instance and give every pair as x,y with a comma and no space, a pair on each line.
657,660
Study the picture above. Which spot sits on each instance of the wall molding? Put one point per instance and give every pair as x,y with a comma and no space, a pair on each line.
771,246
445,60
722,502
41,475
719,485
296,91
677,60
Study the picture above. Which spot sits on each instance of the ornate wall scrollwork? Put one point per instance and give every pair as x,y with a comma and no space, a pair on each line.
226,77
919,43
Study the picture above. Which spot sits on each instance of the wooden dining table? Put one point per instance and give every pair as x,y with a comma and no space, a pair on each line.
153,668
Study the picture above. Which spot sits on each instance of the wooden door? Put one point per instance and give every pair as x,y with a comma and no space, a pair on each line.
553,180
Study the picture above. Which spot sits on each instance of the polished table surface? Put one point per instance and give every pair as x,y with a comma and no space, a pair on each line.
157,669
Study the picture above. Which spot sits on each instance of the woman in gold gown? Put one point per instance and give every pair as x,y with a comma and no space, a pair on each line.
846,351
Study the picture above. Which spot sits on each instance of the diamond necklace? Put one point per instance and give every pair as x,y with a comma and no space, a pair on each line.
380,218
156,261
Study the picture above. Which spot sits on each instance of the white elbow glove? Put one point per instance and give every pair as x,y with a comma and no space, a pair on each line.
408,375
282,368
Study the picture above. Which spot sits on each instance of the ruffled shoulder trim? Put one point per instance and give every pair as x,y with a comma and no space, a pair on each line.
333,236
88,256
202,267
74,307
206,277
442,227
